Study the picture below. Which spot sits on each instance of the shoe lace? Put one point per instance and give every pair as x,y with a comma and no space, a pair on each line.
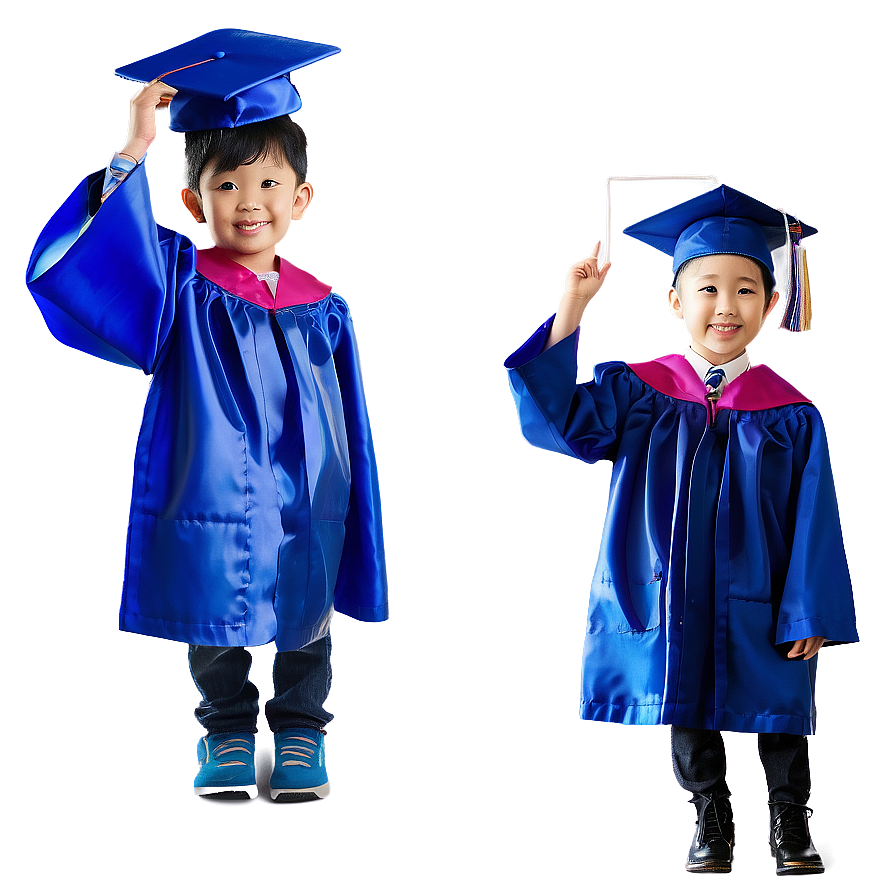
791,821
712,812
234,745
302,747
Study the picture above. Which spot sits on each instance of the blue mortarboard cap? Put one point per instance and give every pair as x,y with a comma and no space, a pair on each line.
723,221
228,78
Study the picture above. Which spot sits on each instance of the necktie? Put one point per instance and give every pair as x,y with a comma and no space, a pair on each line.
715,381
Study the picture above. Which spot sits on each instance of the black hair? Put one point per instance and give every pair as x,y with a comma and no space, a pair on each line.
228,148
768,281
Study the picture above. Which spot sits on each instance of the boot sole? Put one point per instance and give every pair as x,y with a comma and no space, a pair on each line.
710,868
798,869
793,868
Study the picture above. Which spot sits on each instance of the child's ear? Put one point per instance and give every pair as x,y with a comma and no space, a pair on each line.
193,204
772,302
675,304
304,194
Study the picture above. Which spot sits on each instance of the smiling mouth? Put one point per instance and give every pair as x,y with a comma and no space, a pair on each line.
726,328
249,228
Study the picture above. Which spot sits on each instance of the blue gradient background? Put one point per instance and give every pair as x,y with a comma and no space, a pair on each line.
459,156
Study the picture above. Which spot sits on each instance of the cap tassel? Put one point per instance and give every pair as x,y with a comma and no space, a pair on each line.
798,313
183,68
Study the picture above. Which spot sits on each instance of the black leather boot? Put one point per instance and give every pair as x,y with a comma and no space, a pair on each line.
789,839
713,846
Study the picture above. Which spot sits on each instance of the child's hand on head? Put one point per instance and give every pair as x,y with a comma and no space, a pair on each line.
582,283
142,124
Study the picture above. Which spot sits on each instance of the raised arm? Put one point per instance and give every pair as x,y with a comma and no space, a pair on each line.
141,133
142,121
556,413
106,279
583,281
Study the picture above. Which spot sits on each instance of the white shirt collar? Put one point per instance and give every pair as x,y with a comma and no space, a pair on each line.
733,369
272,278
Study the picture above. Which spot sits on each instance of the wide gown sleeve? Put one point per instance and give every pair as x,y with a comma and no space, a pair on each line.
817,598
109,288
361,590
579,420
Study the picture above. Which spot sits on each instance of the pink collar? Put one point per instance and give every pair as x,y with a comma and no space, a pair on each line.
296,287
754,390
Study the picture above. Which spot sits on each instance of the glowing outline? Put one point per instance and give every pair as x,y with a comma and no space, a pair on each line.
712,178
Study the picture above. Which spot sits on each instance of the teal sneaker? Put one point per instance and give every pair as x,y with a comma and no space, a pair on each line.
226,767
299,771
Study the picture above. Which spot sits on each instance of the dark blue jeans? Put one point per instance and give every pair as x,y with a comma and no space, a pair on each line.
698,759
230,701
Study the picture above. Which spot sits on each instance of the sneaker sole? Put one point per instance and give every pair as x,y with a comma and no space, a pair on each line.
301,796
248,792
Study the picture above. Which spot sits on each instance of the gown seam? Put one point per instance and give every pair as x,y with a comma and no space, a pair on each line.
192,519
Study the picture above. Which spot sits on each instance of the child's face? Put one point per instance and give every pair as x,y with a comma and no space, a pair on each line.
249,210
722,302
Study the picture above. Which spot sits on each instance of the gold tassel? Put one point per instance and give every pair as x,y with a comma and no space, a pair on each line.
798,313
806,297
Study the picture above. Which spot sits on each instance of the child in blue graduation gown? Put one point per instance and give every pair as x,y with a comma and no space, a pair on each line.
721,570
255,510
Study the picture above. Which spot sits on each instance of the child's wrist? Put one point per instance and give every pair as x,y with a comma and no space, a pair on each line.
573,306
135,149
123,162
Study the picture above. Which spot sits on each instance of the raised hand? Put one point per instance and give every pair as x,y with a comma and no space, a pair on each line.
142,123
583,281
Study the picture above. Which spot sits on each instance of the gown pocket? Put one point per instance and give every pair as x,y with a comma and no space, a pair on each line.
624,606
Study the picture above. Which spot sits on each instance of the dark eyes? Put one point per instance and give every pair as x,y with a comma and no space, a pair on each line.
743,291
229,185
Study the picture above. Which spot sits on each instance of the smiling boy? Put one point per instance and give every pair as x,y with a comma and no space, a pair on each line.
248,208
255,510
721,570
723,302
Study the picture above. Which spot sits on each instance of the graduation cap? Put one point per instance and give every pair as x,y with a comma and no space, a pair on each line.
725,221
228,78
